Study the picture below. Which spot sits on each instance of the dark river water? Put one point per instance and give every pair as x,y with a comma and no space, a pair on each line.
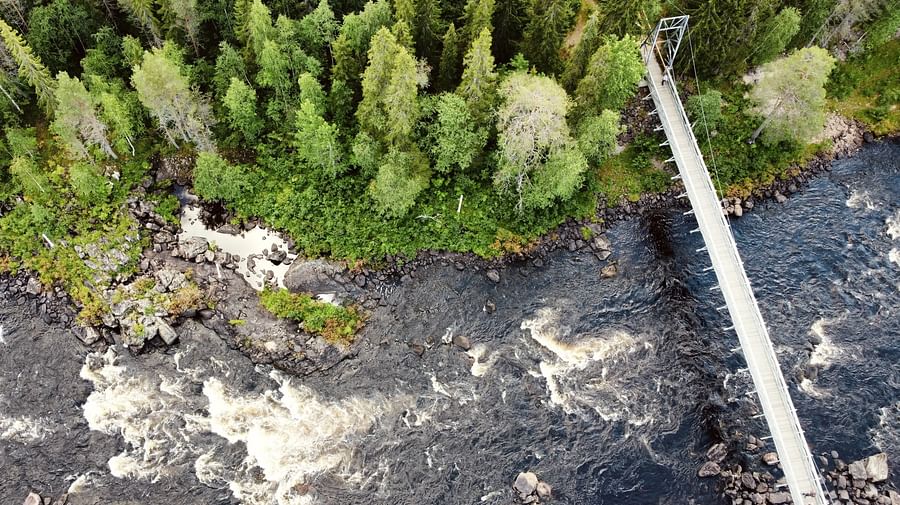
609,389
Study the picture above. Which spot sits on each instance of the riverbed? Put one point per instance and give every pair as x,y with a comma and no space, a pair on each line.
610,389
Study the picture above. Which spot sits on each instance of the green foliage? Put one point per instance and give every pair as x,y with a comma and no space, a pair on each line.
478,84
774,37
59,30
791,95
477,17
34,183
143,15
597,136
724,33
104,59
317,141
611,78
867,87
258,27
632,172
216,179
707,108
450,58
588,44
884,28
88,184
352,44
76,121
424,20
30,67
456,137
402,175
549,22
389,108
311,91
132,51
510,17
628,17
337,325
240,104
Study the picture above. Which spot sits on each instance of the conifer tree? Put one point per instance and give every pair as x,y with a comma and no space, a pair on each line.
478,83
456,137
624,17
448,73
76,121
549,22
119,110
509,22
778,32
229,64
141,11
317,30
317,141
424,20
791,96
587,45
351,46
389,108
165,91
188,19
8,82
30,68
477,16
259,28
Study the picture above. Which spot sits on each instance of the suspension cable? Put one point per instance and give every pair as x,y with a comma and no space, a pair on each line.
712,153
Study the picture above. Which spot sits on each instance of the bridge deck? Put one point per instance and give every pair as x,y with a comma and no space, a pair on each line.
796,460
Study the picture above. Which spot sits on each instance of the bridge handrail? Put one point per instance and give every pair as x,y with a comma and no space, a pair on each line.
770,354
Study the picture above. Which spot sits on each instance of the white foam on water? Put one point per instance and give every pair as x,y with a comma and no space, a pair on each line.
569,357
893,225
24,429
825,352
480,365
150,420
79,484
860,199
894,256
438,387
291,435
886,436
249,242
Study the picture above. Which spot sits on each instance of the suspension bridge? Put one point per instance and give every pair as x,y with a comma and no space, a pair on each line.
801,474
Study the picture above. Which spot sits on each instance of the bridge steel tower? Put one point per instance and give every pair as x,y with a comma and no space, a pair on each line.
801,474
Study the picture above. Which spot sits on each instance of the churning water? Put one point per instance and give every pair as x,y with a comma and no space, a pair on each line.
609,389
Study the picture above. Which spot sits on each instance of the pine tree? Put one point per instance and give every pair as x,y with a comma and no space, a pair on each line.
478,15
624,17
450,59
141,11
76,122
30,68
587,45
509,22
478,83
165,91
549,22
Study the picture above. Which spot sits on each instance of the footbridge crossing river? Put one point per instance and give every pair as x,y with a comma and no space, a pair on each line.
801,475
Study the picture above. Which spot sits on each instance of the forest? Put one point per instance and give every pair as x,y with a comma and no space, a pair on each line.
388,127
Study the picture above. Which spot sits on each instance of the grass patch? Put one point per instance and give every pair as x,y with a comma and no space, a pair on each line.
867,87
632,172
338,325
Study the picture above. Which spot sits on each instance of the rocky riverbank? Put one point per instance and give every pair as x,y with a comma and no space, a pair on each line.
750,473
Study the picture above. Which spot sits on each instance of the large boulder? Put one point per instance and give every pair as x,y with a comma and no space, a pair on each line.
779,497
316,277
857,470
709,469
877,467
32,499
191,247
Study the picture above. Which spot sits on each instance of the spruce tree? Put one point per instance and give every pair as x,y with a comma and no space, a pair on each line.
479,79
30,68
351,46
587,45
450,59
478,15
775,36
389,108
509,22
549,22
611,77
141,11
624,17
187,18
259,28
240,106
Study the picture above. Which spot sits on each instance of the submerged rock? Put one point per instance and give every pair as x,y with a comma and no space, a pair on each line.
526,483
717,452
709,469
493,275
